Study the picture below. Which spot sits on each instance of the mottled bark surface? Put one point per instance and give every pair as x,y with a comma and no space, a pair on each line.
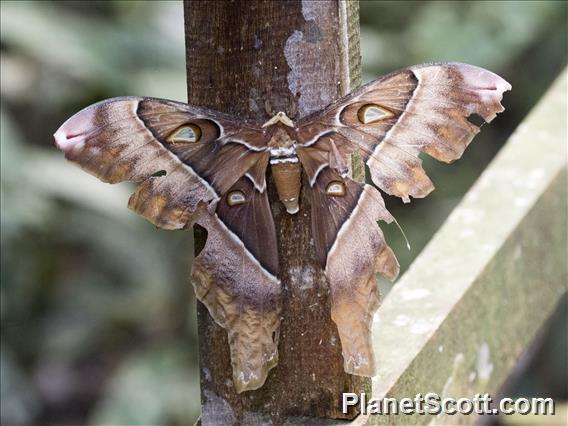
253,59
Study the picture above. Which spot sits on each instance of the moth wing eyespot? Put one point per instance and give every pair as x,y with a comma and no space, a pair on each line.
371,113
236,198
335,188
188,133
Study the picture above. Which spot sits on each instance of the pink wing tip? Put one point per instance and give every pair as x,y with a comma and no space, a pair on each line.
503,85
66,141
73,133
488,86
61,140
474,76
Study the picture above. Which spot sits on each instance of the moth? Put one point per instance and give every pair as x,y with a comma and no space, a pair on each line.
195,165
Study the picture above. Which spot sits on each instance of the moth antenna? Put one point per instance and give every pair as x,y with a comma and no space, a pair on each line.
403,234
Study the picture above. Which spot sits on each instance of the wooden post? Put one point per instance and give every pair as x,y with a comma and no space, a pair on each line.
253,59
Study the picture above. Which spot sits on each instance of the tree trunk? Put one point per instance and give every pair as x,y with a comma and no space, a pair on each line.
253,59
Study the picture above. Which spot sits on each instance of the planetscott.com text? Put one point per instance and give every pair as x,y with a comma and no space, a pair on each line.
432,403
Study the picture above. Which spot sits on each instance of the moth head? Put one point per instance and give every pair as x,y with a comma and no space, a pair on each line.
236,198
335,188
188,133
371,113
280,117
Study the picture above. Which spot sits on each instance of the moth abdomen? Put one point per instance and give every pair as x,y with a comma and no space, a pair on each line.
284,162
287,175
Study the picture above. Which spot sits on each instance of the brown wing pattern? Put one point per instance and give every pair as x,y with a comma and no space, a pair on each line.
241,297
251,222
426,109
199,166
187,161
330,212
352,249
389,121
221,156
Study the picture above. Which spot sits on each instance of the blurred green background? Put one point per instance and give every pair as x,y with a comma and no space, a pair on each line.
97,314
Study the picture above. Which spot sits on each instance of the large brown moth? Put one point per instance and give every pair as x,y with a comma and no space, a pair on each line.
195,165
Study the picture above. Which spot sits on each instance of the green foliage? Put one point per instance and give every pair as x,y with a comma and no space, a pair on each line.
98,322
80,272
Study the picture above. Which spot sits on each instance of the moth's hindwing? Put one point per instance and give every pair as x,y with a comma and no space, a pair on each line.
352,249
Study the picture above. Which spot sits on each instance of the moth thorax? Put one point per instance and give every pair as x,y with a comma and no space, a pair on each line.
287,178
280,139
